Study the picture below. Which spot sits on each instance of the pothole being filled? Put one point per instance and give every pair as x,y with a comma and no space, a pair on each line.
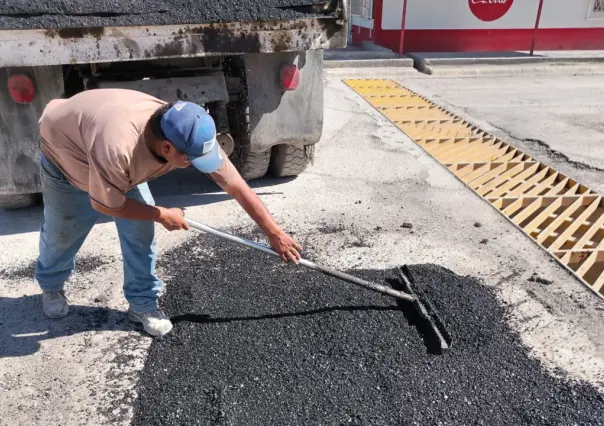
259,343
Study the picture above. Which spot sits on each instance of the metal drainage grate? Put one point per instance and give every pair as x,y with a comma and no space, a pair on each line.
561,215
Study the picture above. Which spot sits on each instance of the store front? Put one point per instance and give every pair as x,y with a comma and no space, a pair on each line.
479,25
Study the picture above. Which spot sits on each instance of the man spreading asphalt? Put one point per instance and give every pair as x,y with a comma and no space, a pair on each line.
99,149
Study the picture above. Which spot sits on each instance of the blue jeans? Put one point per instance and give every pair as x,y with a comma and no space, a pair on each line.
69,217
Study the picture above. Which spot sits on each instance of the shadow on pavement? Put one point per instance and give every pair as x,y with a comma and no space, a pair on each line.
207,319
180,188
23,325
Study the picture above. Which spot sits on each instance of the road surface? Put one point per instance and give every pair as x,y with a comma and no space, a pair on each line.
348,210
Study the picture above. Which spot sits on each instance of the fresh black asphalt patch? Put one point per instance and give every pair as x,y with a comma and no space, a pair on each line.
256,342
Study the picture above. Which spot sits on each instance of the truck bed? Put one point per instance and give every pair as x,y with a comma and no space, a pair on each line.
58,14
95,31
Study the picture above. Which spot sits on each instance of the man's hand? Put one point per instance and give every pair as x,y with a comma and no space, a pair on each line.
229,179
287,248
173,219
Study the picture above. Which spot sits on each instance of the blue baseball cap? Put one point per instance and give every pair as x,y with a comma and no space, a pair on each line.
192,130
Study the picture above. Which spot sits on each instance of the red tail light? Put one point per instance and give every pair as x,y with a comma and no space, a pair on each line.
21,88
290,77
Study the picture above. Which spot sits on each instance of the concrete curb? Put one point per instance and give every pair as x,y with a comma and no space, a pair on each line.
372,47
513,70
374,72
370,63
432,66
335,55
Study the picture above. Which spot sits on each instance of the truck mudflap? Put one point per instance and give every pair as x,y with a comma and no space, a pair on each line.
111,44
279,116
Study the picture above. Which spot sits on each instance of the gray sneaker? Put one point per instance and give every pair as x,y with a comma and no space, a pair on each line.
55,304
156,323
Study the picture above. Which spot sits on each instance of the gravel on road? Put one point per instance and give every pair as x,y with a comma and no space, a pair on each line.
256,342
28,14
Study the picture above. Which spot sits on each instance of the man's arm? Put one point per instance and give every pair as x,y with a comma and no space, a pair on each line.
281,242
107,198
171,219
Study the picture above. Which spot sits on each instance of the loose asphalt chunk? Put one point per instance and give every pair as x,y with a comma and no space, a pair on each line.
537,279
256,342
28,14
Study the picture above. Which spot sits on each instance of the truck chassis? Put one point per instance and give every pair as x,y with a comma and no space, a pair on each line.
266,122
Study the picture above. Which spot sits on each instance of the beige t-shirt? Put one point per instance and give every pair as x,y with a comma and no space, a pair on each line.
97,139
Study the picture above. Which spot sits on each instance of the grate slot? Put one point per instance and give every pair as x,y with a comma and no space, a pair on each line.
527,169
502,180
581,220
434,146
514,156
439,147
492,153
587,238
374,92
541,207
592,267
460,145
383,102
543,186
489,178
562,215
529,183
419,113
419,129
478,152
597,240
373,84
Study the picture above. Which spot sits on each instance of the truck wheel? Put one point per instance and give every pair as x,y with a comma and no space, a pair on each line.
290,160
251,165
17,201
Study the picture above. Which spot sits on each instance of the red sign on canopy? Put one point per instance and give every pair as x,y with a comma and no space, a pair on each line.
490,10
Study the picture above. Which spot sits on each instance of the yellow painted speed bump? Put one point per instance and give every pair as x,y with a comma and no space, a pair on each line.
556,212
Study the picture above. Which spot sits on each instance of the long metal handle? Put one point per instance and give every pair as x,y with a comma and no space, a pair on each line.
329,271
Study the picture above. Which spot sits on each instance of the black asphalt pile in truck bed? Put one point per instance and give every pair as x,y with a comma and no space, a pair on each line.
31,14
258,343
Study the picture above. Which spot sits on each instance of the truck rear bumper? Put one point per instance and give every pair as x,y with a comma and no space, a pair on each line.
111,44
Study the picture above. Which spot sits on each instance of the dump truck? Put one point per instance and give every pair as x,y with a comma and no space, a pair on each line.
255,65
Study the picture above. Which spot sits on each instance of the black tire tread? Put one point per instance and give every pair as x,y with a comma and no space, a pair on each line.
290,160
250,165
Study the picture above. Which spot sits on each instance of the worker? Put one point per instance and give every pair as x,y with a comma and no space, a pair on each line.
99,149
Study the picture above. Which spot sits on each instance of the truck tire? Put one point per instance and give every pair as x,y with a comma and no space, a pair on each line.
290,160
253,165
250,165
17,201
